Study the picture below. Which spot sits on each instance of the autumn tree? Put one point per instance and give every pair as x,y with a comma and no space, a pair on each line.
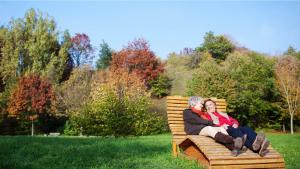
287,71
31,98
105,56
73,93
139,59
81,50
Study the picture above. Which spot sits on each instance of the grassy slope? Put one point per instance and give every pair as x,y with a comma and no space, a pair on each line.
136,152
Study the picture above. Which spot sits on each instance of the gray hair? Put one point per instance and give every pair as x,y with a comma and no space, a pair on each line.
193,100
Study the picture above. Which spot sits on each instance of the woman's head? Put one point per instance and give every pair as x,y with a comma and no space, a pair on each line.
196,102
210,106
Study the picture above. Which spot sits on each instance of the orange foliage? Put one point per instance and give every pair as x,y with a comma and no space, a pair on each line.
122,82
139,59
33,95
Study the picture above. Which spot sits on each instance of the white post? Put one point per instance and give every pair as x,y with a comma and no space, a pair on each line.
292,125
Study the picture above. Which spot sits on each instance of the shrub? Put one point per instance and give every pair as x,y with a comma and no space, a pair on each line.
160,86
118,107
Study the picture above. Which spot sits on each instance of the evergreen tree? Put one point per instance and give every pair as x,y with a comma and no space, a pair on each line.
105,56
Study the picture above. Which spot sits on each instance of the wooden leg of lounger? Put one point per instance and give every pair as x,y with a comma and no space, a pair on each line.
175,150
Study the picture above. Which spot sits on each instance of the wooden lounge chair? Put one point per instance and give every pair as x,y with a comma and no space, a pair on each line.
204,149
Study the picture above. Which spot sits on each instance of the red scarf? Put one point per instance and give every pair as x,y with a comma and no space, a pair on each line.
200,113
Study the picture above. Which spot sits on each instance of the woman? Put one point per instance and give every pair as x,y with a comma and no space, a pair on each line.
256,142
195,125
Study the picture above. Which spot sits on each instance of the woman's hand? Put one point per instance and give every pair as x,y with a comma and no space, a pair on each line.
235,125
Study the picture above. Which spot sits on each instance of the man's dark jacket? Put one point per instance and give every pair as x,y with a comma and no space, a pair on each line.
193,123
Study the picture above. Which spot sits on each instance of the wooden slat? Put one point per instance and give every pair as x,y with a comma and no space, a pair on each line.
222,110
243,156
174,111
176,122
176,137
222,150
175,115
272,165
175,119
185,105
178,133
175,132
246,161
179,137
176,125
177,128
175,108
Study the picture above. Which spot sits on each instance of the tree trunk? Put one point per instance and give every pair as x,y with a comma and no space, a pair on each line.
292,127
32,128
283,127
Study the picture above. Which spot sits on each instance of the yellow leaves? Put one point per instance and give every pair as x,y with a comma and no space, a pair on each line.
120,83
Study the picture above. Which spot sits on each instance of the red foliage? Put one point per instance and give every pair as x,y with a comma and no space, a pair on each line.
81,49
33,95
81,40
138,58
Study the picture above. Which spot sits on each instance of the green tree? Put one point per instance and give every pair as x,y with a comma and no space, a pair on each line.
105,56
218,46
291,51
31,46
246,81
160,86
212,80
255,88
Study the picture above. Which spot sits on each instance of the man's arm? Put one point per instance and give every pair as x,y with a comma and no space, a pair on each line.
193,118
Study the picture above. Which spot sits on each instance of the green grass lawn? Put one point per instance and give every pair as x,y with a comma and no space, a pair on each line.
135,152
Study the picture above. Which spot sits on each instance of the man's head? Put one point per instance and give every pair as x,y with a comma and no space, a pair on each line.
196,102
210,106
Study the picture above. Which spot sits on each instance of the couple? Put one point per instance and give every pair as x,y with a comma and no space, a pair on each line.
207,121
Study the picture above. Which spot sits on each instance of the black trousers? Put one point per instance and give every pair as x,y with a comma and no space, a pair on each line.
240,131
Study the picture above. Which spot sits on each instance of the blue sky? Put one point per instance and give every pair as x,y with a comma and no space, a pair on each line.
267,27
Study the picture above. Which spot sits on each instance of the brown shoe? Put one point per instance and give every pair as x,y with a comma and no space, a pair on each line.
244,149
234,152
238,143
263,150
258,141
264,153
